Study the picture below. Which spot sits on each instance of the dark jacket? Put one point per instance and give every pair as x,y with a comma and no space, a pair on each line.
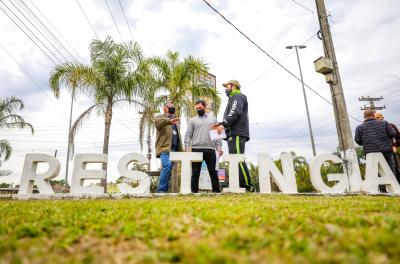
236,117
375,136
164,134
396,140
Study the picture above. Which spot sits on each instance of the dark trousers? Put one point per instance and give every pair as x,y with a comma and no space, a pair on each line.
210,158
397,166
390,159
236,145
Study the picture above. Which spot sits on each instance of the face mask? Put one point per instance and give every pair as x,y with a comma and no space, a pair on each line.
200,112
228,92
171,110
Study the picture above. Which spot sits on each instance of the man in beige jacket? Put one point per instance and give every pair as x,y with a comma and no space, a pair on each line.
167,140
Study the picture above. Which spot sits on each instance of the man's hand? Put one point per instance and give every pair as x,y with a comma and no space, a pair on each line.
215,126
395,149
220,129
174,120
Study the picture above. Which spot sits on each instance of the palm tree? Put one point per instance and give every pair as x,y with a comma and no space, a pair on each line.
69,74
149,99
8,119
110,79
178,78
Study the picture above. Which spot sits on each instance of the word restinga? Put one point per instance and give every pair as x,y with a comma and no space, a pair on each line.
377,173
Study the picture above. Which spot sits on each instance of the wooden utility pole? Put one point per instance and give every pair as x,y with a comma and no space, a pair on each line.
333,78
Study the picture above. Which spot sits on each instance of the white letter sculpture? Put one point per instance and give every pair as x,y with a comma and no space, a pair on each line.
376,164
186,172
132,175
316,179
234,160
267,169
352,169
29,176
80,173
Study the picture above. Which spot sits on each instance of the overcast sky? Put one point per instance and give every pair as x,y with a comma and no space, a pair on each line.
365,35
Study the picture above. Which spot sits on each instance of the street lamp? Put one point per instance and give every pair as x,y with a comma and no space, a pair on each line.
297,47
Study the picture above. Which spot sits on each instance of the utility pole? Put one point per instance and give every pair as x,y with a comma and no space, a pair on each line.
305,96
329,67
333,78
371,101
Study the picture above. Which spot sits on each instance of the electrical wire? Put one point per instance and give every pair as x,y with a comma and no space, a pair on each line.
115,23
34,42
126,19
40,32
266,53
87,19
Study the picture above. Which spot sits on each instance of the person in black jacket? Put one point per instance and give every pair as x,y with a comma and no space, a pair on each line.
236,125
376,136
395,145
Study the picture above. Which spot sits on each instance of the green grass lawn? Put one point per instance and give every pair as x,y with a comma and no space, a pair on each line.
202,229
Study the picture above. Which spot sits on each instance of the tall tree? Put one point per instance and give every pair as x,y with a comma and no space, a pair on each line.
149,99
9,119
110,79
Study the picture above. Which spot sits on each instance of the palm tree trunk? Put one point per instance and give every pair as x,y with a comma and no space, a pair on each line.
69,137
149,145
174,172
107,127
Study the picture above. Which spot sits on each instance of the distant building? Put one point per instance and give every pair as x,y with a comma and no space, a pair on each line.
210,80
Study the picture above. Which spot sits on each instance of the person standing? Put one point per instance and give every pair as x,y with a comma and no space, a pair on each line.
376,136
236,125
395,145
197,138
167,140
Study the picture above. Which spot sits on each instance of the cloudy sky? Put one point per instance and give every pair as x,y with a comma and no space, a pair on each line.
365,34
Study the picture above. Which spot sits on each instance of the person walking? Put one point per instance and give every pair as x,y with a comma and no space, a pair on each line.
167,140
197,138
376,136
236,125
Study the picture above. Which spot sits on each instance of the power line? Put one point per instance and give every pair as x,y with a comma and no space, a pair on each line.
87,19
283,59
115,23
30,77
40,32
40,22
303,6
126,19
34,42
58,32
272,58
263,51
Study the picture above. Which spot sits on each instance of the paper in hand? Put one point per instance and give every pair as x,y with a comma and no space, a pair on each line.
215,136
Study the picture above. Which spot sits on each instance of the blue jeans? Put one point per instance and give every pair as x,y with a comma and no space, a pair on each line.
165,173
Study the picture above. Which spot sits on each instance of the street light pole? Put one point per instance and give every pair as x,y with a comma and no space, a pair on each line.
305,96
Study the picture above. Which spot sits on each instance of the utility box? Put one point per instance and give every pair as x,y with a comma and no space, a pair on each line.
323,65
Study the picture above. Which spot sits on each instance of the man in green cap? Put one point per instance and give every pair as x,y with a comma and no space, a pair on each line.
236,125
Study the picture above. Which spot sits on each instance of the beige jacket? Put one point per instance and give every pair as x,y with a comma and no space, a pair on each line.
164,134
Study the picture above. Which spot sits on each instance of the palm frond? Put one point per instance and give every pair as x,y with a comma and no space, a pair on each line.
9,105
79,122
5,149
